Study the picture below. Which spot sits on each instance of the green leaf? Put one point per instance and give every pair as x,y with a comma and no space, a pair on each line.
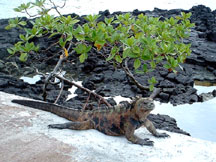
118,58
22,37
29,47
114,50
127,16
133,55
17,9
146,55
53,34
126,53
88,48
10,51
83,57
130,41
110,57
86,28
39,3
23,57
108,21
153,65
151,87
152,80
62,42
173,62
80,48
137,63
139,71
23,23
136,49
115,37
145,68
167,66
37,48
74,21
10,26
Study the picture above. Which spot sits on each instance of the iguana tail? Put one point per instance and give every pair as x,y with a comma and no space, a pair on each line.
65,112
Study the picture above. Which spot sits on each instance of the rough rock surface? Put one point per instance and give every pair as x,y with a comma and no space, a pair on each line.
12,85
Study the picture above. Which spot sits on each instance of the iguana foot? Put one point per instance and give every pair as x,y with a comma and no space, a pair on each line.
145,142
161,135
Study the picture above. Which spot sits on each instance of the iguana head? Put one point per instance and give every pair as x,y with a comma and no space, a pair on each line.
143,107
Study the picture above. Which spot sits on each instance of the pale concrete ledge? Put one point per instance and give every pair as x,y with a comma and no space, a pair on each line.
24,137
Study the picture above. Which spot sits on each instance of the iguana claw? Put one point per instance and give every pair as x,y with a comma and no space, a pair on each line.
145,142
162,135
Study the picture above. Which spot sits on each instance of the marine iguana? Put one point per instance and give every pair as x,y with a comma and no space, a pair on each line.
122,119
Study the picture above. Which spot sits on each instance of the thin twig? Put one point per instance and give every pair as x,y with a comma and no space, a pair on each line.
53,44
87,100
155,92
99,102
85,89
48,78
128,72
39,73
26,11
56,7
62,87
55,70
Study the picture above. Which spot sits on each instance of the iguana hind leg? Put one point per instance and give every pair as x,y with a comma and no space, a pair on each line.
74,125
149,125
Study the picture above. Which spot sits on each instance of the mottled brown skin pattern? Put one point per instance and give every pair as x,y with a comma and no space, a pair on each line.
119,120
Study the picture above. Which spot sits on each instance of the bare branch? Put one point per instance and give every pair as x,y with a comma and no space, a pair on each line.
39,72
87,100
84,89
26,11
62,87
155,92
56,7
53,44
48,78
128,72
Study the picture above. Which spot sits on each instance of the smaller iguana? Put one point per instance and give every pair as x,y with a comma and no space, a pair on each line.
122,119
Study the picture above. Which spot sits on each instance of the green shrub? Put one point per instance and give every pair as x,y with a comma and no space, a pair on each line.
142,39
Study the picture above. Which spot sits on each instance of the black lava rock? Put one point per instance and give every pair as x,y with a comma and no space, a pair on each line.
166,123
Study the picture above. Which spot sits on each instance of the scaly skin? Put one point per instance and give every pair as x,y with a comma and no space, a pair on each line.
116,121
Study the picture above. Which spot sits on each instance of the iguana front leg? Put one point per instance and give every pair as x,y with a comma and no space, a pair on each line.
74,125
149,125
129,134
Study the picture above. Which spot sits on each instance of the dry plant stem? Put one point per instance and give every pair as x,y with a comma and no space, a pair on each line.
53,44
56,7
155,92
31,16
128,72
85,89
87,100
62,87
55,70
62,58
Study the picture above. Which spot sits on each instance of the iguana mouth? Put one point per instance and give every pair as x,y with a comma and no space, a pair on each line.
150,106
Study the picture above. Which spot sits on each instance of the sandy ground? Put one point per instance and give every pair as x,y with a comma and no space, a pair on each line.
24,136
